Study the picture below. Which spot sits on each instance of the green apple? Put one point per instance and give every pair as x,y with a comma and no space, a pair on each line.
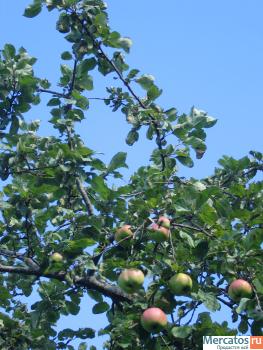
164,222
56,258
239,289
153,320
130,280
180,284
123,235
158,233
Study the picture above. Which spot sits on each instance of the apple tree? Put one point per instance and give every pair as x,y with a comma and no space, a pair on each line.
158,254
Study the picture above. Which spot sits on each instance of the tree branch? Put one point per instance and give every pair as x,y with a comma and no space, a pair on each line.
84,196
102,53
199,229
89,282
71,145
28,261
55,93
225,302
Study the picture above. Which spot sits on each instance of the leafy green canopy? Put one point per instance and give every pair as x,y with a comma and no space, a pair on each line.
56,197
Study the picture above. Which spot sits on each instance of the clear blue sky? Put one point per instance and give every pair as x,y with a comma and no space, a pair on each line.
203,53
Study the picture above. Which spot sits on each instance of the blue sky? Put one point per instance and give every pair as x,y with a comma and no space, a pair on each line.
203,53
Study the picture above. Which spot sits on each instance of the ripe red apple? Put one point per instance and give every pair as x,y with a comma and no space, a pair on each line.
164,222
56,258
130,280
153,320
158,233
180,284
240,289
123,235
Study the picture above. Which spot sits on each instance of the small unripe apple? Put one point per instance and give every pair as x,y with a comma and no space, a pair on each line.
164,222
180,284
123,235
153,320
158,233
239,289
130,280
56,258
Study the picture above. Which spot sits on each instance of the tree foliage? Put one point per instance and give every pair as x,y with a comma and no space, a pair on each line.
58,196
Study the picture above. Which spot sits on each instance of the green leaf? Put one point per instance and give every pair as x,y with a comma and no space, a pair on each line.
145,81
72,308
81,243
95,296
85,82
82,102
86,65
132,137
258,285
117,161
208,299
84,333
257,328
14,125
243,326
208,214
185,160
66,333
53,102
132,74
242,305
181,332
83,346
99,186
196,143
101,19
125,44
66,55
186,237
100,308
9,51
171,114
201,249
153,93
33,9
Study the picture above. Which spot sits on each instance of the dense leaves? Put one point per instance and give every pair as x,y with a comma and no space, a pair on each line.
58,195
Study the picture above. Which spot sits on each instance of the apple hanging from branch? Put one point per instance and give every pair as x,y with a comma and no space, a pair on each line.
180,284
164,222
56,258
239,289
123,235
153,320
130,280
158,233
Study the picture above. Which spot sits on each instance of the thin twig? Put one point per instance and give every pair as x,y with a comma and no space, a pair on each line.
198,229
225,302
85,197
55,93
167,346
102,53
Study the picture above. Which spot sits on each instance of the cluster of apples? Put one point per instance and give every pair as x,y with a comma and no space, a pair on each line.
131,280
158,232
154,319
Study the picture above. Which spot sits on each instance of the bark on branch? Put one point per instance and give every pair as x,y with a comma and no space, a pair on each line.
88,282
